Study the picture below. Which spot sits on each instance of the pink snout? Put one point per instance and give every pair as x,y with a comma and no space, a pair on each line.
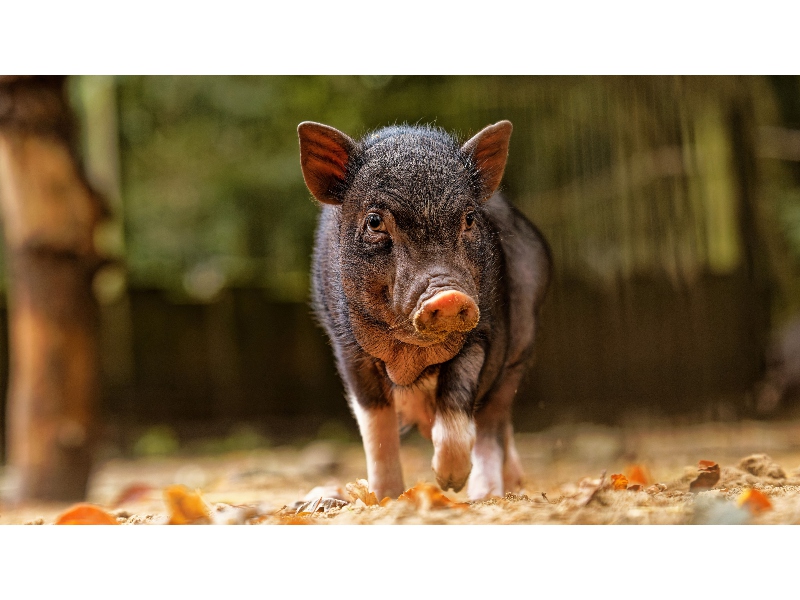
445,312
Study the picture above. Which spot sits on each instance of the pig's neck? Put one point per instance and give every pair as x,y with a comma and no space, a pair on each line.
404,362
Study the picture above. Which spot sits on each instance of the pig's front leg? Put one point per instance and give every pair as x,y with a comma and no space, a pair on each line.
371,403
453,432
380,433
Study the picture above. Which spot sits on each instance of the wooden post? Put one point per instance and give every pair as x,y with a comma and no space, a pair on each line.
49,216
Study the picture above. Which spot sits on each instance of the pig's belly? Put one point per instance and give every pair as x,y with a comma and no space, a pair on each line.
415,403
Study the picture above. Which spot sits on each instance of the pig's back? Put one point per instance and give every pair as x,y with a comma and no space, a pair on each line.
527,274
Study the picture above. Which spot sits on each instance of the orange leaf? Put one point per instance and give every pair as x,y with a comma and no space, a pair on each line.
303,518
754,500
619,482
426,496
85,514
638,474
360,491
132,493
185,506
707,478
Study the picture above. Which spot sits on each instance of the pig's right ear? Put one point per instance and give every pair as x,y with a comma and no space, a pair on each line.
324,153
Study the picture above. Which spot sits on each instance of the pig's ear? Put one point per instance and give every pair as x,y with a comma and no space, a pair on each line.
489,150
324,152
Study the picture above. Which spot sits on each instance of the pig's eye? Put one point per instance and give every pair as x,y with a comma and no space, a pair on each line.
375,222
469,219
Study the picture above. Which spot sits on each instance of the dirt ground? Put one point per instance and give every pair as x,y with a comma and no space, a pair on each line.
568,469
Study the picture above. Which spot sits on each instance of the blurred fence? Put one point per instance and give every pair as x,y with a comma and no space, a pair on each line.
672,205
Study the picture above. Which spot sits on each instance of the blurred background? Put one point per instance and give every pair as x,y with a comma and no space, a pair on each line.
672,206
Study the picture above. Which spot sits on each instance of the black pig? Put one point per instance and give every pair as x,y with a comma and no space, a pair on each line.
428,284
781,386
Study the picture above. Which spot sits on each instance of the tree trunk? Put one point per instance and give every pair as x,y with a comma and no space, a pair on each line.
50,213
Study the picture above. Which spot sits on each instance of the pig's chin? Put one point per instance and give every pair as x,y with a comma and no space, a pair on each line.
404,353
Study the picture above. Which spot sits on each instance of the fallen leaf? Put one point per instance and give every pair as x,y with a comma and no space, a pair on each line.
360,491
309,507
132,493
235,514
636,487
754,500
707,478
426,496
386,501
590,487
185,506
298,519
619,482
321,504
638,474
85,514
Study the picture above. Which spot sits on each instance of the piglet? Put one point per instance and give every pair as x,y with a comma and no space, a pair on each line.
428,284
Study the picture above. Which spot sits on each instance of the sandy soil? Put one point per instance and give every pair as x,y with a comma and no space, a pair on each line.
564,468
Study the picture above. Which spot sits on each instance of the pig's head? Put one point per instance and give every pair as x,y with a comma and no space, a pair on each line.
416,253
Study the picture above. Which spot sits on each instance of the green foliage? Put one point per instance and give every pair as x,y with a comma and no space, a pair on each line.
625,175
213,193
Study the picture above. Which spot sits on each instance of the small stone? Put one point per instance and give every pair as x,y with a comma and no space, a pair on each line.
761,465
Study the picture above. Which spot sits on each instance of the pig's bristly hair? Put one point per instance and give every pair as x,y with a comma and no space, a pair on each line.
415,148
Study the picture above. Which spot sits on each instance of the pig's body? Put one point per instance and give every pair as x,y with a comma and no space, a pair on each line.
432,312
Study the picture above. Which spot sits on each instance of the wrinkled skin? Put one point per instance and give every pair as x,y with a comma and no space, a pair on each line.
428,285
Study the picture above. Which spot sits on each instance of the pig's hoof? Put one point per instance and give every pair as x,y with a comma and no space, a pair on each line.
452,469
456,483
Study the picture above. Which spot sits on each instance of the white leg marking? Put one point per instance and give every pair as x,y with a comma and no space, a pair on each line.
487,471
453,436
381,437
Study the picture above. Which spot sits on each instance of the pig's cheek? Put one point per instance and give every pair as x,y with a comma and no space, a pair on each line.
453,436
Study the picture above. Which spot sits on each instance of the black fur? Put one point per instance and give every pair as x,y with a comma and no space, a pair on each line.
367,285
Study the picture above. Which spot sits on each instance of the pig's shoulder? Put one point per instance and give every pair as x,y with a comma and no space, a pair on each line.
517,233
527,266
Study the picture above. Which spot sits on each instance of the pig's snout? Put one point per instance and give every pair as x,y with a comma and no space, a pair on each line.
445,312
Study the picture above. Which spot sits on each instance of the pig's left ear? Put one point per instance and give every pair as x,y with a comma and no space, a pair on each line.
489,150
324,153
